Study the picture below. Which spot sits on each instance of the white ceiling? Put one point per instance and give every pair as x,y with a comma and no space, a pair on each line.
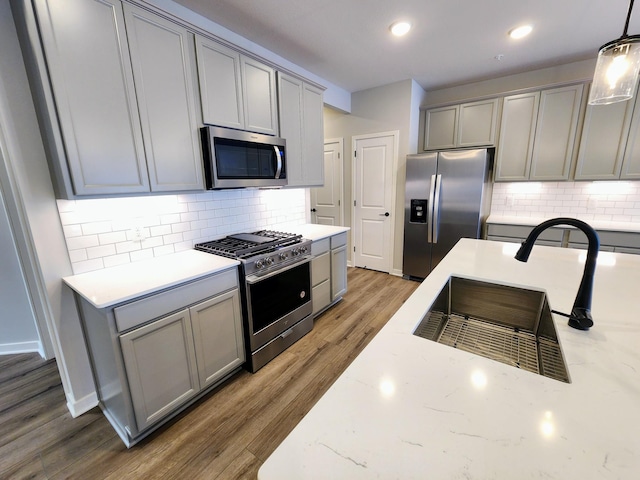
347,42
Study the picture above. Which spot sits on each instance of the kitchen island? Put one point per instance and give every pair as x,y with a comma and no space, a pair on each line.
411,408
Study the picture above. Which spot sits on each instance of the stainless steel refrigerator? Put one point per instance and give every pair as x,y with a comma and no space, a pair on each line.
447,197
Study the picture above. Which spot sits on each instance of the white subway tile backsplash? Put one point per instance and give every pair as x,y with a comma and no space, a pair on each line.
101,232
605,201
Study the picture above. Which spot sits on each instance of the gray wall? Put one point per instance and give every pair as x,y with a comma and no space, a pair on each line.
380,109
40,229
18,332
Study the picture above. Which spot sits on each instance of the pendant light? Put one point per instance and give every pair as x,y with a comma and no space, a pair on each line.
616,75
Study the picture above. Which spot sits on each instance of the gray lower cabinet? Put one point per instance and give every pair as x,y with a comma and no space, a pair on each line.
151,357
610,241
551,237
118,98
328,271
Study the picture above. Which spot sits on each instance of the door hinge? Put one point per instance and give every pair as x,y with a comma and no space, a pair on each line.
338,155
338,202
354,203
355,153
354,249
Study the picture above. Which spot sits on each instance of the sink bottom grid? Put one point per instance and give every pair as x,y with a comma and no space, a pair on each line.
503,344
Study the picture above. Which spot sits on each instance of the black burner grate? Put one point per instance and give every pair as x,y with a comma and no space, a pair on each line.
248,245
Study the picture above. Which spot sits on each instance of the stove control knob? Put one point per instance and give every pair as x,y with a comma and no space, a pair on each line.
259,264
303,249
295,252
269,261
283,256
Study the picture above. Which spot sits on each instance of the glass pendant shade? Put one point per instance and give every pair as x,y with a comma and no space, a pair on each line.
616,75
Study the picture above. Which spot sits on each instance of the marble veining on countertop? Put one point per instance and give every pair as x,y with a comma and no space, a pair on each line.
409,408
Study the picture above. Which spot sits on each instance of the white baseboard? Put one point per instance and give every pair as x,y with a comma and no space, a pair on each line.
22,347
78,407
396,272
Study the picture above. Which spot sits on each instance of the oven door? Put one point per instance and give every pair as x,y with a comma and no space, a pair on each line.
277,301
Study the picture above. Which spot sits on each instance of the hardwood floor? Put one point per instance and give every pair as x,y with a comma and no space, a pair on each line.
226,435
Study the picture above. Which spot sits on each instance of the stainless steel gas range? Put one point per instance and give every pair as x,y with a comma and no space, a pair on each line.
275,281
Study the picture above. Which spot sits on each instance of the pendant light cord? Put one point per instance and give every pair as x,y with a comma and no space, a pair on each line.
626,25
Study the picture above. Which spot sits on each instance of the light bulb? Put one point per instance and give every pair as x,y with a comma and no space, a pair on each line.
400,28
616,70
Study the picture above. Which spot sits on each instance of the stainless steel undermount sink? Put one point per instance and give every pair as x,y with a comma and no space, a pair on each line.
511,325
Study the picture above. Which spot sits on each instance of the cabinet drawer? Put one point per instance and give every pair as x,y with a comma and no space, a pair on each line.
607,238
338,240
320,246
141,311
320,269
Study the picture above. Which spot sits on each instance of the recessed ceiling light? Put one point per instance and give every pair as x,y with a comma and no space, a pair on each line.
400,28
520,32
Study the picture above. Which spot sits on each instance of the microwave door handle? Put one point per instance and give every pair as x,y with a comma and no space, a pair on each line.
279,161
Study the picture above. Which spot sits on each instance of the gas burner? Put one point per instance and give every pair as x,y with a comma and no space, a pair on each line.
247,246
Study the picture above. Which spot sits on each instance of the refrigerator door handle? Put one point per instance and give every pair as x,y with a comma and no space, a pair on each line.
436,208
432,191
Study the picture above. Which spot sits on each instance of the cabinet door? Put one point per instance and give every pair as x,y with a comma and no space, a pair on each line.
441,125
90,70
338,272
161,367
290,116
162,67
517,130
477,125
217,335
631,163
312,136
259,96
604,136
220,84
556,133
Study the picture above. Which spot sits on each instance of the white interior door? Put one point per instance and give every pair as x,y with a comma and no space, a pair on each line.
373,200
326,201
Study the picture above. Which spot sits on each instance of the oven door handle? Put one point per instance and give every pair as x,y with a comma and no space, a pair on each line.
255,278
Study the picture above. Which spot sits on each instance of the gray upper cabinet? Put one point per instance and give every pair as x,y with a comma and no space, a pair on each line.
124,96
470,124
609,147
90,72
220,84
259,81
301,124
538,134
236,91
163,65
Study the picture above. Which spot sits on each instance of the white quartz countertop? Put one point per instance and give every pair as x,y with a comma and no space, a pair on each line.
316,232
110,286
601,225
409,408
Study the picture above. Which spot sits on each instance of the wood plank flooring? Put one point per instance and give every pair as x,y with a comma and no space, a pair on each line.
226,435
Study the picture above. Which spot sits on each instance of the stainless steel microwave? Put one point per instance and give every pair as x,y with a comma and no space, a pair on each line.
237,159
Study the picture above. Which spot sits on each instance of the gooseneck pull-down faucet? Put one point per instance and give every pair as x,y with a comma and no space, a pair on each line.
580,317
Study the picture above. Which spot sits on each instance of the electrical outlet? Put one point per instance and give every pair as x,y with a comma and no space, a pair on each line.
137,234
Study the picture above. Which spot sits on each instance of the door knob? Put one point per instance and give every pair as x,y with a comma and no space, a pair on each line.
385,214
313,210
